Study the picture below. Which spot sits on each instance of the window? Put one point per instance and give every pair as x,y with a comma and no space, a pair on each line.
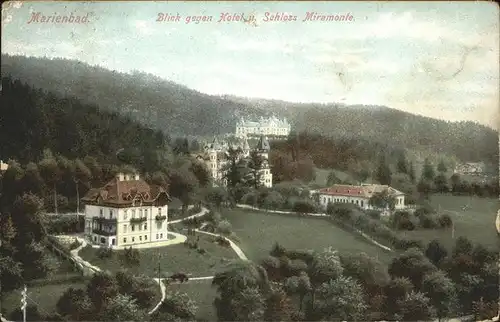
110,214
161,236
124,240
101,212
140,227
133,227
145,226
159,211
362,203
133,213
133,239
140,238
140,213
145,237
145,212
156,236
112,241
124,228
125,213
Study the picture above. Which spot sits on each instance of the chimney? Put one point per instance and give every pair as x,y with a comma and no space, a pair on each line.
119,176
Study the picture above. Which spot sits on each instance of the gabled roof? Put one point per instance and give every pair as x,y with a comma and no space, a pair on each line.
124,192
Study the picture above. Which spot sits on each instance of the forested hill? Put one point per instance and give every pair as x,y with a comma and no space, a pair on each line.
33,120
177,109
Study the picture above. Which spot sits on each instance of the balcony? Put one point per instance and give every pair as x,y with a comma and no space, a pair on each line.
104,220
103,232
138,220
160,217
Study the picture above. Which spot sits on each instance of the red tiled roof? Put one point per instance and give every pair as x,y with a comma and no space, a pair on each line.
364,191
124,192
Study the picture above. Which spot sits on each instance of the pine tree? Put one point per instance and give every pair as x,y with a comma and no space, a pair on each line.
383,173
402,164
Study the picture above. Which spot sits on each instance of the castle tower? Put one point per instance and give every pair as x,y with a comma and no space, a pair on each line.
245,148
263,147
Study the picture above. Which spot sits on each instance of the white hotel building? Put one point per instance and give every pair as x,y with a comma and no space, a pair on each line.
264,126
358,195
127,211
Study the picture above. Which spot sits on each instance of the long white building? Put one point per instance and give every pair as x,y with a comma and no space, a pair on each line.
127,211
271,126
358,195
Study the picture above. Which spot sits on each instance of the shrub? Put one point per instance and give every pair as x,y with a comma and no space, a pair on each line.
104,252
428,221
278,250
304,206
304,255
405,244
131,256
250,198
445,221
296,266
374,214
224,227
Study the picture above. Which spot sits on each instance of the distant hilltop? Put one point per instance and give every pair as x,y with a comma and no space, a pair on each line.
271,126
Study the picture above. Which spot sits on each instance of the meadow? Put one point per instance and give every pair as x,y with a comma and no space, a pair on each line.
473,217
173,259
257,232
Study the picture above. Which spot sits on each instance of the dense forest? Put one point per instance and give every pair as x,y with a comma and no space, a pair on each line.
177,110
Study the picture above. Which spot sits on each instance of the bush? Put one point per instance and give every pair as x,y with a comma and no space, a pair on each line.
224,227
405,244
250,198
104,252
131,256
445,221
278,250
304,255
428,221
374,214
304,206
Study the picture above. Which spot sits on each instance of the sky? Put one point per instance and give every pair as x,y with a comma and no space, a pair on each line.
439,59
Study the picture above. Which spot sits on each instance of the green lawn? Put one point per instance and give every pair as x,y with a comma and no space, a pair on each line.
46,292
477,222
174,258
259,231
203,294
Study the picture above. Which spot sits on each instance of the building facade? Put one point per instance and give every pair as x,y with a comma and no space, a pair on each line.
127,211
215,157
271,126
358,195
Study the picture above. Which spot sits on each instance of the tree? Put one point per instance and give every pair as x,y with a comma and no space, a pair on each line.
232,283
255,169
411,172
7,230
123,308
340,299
332,179
279,306
436,252
368,271
463,246
11,274
201,173
234,169
81,175
51,174
411,264
402,164
183,185
325,266
216,196
441,292
101,288
177,306
428,172
383,200
416,307
248,305
74,304
383,172
442,167
300,285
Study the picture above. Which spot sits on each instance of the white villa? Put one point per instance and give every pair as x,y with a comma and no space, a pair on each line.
264,126
127,211
215,158
359,195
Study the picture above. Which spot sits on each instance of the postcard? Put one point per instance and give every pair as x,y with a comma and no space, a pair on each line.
249,161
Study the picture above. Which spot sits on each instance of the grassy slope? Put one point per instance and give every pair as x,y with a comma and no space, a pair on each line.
476,223
174,258
46,296
258,231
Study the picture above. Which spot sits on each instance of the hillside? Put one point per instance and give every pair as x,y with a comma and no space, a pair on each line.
176,109
33,120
